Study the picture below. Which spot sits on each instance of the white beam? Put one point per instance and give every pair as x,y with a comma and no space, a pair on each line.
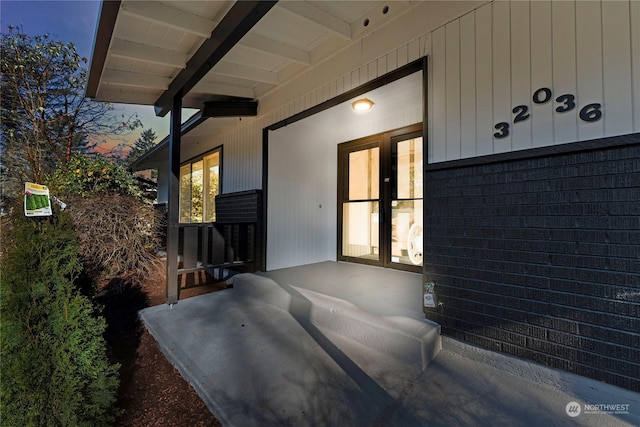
145,53
276,48
171,17
244,72
125,78
311,13
222,89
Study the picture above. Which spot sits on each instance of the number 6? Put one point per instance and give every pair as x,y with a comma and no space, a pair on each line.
591,112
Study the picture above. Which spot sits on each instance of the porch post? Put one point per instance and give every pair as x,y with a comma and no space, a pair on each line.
173,200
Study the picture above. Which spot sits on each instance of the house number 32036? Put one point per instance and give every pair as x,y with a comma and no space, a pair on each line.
567,102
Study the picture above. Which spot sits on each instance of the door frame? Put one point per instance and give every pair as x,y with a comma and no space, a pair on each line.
418,65
383,140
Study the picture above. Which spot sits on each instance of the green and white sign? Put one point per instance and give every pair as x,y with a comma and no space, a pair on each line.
36,200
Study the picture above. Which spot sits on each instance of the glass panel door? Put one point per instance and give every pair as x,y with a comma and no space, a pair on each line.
361,202
380,199
406,201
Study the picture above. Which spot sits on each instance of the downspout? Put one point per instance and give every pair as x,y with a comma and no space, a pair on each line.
173,287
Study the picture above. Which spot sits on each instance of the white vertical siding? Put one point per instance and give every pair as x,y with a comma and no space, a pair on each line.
616,52
588,50
541,71
452,88
564,67
467,85
484,83
484,60
589,63
520,70
438,109
501,59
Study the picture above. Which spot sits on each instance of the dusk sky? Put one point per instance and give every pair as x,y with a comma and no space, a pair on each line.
72,21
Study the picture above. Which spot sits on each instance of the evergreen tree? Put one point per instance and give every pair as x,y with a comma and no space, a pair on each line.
144,143
53,364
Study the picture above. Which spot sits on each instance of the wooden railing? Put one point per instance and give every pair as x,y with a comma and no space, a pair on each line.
213,251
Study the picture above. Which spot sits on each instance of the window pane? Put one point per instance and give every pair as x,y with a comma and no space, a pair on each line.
185,193
212,185
360,230
364,172
197,177
409,167
406,232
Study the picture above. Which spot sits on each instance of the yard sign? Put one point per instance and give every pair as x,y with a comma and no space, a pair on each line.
36,200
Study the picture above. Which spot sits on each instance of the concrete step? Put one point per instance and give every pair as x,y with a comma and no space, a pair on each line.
408,340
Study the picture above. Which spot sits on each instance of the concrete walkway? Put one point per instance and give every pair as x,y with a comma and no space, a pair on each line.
255,363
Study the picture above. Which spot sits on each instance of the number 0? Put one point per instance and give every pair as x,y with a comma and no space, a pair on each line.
546,95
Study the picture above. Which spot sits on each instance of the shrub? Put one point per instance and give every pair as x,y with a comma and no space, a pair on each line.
116,234
87,175
114,223
52,352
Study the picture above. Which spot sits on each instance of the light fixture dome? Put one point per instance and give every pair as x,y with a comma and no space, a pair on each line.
363,104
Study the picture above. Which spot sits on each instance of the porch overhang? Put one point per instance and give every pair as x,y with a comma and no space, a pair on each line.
147,52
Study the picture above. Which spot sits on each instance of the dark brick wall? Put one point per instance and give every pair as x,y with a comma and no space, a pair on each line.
537,254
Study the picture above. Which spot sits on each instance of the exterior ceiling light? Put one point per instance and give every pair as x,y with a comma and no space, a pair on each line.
363,104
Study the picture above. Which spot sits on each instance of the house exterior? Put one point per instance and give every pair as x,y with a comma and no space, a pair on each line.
500,160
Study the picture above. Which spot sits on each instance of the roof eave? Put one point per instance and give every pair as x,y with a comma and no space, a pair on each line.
143,162
104,32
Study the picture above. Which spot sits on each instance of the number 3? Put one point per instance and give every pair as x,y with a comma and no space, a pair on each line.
568,101
503,127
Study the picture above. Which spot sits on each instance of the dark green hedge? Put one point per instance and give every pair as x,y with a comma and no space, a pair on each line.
53,363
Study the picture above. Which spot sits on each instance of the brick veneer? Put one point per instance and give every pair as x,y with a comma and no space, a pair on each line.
537,254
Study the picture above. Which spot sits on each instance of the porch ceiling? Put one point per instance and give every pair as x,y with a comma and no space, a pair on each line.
144,48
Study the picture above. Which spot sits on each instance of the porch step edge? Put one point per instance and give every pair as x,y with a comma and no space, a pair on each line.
408,340
414,342
263,289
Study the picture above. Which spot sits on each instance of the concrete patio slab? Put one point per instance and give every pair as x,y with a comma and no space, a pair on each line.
255,363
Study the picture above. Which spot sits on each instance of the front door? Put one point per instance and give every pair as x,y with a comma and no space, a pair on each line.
380,199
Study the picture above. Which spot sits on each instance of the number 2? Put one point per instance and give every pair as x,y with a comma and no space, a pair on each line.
521,113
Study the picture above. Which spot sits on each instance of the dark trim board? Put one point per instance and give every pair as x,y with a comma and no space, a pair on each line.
397,74
570,147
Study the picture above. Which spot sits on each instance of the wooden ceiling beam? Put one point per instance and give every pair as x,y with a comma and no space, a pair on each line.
162,14
311,13
145,53
276,48
230,69
141,80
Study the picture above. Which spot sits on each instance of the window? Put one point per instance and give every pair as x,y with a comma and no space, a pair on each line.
199,185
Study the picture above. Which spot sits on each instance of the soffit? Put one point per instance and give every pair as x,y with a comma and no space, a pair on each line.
152,41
